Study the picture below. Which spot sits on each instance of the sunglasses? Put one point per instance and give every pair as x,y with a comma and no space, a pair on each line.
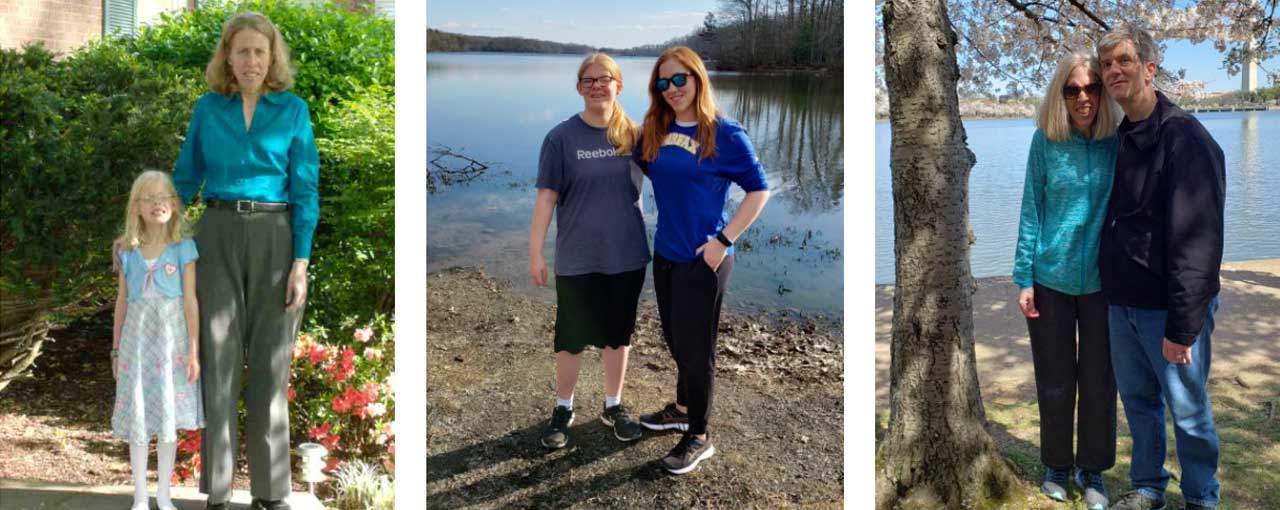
678,79
1072,91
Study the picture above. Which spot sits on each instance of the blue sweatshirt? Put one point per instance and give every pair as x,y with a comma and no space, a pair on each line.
1064,204
690,195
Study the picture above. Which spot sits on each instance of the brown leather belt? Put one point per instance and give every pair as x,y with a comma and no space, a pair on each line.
247,206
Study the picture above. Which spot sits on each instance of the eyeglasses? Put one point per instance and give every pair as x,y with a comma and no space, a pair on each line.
1071,92
156,199
678,79
587,83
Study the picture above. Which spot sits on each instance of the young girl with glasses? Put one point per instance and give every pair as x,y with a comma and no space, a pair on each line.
691,153
585,176
155,334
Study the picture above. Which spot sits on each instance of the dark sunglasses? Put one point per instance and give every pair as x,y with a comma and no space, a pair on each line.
1072,91
678,79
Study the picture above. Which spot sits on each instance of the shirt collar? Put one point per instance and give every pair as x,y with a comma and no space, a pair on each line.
274,98
1146,132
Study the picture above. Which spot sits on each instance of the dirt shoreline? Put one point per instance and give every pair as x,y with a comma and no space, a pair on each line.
777,421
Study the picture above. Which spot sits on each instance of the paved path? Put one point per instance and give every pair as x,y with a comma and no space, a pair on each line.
19,495
1246,340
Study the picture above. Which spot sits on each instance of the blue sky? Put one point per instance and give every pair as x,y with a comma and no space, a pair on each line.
1202,62
594,23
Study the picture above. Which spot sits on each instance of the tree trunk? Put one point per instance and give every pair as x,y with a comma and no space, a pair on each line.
937,452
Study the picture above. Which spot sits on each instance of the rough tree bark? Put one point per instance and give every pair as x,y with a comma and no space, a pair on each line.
937,452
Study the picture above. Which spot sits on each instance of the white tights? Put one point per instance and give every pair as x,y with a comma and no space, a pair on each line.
165,453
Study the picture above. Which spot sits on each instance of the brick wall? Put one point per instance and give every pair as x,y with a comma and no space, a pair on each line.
62,25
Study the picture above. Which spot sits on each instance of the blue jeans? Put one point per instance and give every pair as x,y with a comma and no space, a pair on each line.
1147,383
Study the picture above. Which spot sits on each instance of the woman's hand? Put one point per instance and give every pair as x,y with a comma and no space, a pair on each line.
1027,303
538,269
295,294
193,369
712,253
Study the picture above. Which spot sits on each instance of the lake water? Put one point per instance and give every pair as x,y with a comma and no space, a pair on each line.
496,109
995,188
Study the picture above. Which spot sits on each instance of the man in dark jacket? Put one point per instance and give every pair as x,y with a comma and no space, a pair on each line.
1159,258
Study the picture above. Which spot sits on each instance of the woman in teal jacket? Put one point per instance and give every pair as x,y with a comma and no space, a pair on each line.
1064,202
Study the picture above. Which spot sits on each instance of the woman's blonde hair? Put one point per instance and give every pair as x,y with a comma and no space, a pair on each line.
622,130
218,73
133,222
1054,120
657,121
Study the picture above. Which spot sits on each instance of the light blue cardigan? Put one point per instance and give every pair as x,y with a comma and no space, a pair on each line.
1064,204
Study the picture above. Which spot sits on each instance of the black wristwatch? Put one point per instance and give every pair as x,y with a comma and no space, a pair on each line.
723,239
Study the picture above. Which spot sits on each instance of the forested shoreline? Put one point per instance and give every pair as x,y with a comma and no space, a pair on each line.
745,35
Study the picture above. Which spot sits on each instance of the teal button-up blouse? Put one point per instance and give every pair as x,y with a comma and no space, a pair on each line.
275,160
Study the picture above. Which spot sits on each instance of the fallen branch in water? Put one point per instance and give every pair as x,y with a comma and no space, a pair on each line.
451,167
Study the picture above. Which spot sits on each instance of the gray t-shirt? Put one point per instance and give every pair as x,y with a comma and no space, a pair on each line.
599,223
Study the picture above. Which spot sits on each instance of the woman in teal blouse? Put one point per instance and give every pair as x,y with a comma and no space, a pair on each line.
1064,202
251,154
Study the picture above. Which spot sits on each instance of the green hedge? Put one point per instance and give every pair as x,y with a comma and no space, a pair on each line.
76,131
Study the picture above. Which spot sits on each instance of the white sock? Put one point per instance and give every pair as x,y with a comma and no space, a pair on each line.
165,454
138,459
560,402
610,400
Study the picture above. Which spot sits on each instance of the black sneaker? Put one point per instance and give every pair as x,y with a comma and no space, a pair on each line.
557,433
624,428
1134,500
1094,491
687,454
666,419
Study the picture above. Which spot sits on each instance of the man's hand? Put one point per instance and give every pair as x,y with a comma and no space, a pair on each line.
296,288
1177,353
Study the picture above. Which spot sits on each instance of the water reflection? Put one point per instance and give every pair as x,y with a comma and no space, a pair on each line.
494,110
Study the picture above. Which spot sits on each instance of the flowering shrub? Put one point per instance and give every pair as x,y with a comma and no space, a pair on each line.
341,395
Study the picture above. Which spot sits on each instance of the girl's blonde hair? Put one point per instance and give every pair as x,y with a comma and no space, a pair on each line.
657,121
133,223
279,75
1054,120
622,130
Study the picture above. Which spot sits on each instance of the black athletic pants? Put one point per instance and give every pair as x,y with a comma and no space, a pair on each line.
1065,368
689,297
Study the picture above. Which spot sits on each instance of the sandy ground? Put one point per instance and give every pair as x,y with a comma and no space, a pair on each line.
1244,383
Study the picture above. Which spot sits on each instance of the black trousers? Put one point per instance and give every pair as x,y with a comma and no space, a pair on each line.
1065,368
689,297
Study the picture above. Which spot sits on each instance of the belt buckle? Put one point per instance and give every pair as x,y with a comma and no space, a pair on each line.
244,206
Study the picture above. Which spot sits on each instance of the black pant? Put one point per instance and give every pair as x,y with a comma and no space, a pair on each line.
1062,368
689,297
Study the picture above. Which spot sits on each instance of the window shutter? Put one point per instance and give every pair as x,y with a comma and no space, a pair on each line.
119,17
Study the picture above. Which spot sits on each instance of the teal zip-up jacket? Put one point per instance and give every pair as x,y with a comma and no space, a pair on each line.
1064,204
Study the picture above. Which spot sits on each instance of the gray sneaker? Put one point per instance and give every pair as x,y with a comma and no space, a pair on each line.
1095,491
1055,483
556,434
1134,500
624,427
687,454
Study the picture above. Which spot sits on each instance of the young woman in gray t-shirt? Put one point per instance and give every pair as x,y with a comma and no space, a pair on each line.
586,177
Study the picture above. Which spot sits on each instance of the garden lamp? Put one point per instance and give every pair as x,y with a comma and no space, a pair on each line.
312,456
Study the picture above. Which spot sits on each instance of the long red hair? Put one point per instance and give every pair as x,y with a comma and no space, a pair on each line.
657,121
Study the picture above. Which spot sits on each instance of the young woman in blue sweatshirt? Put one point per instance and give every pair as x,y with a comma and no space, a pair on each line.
1064,201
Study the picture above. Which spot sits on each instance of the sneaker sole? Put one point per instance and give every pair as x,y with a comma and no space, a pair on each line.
609,423
711,450
682,427
566,440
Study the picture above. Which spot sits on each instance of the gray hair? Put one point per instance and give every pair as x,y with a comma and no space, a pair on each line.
1142,41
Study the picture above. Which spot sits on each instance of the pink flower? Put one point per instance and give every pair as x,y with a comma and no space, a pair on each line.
364,334
319,432
372,354
318,354
376,409
292,394
332,464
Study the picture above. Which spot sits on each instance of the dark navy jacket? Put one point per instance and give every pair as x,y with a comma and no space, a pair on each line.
1161,244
